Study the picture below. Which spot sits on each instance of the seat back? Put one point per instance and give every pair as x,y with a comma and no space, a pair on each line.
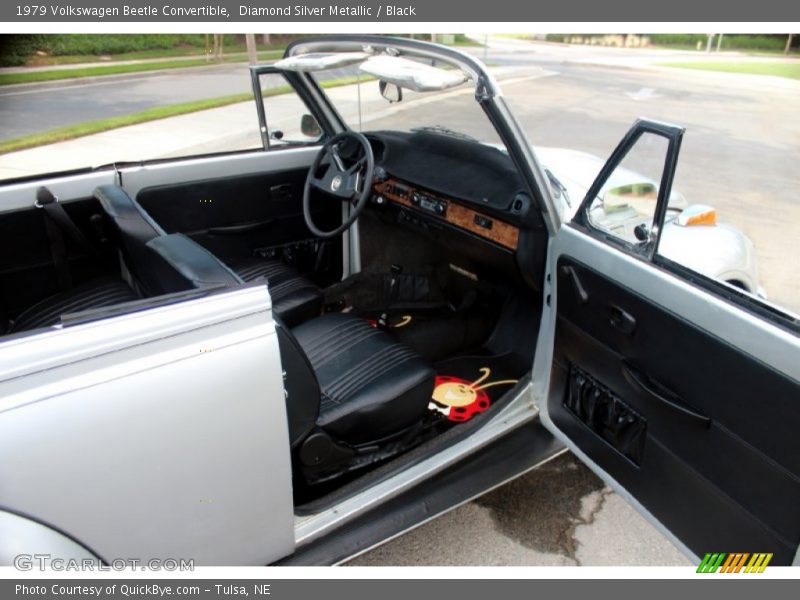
183,264
165,263
133,229
161,263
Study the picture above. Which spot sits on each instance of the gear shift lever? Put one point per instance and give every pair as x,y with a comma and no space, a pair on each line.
394,284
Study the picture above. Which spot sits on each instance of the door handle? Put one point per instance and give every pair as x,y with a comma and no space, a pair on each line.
663,394
242,228
282,191
622,320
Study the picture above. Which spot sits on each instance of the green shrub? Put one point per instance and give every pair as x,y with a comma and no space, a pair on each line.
770,43
688,40
17,49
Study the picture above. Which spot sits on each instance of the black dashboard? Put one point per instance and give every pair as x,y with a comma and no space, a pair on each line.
475,174
460,192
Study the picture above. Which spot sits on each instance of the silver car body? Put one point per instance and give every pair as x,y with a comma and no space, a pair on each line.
150,434
162,433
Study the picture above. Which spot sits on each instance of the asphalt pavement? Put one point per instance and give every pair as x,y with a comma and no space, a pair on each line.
739,155
559,514
31,109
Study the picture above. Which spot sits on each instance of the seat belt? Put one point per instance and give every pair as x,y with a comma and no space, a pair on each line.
57,223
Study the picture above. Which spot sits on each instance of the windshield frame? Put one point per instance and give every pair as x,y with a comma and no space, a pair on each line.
487,94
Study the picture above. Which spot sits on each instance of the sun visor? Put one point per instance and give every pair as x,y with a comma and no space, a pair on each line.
412,75
320,61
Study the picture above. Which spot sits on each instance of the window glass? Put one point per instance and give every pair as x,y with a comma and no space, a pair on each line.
226,129
288,119
201,112
741,238
707,233
452,111
625,207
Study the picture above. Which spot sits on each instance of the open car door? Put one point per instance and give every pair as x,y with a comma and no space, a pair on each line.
683,393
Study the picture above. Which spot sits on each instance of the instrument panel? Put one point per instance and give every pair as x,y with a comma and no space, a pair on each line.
449,211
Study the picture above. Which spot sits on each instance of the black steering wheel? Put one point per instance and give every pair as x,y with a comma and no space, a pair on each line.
349,183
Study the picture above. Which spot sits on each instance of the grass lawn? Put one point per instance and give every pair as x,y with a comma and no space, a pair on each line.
38,76
467,43
46,61
69,132
778,69
793,53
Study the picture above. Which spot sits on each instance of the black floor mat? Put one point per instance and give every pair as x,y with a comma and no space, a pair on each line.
372,292
468,385
438,334
434,310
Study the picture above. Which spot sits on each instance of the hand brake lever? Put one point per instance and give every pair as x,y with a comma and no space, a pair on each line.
383,320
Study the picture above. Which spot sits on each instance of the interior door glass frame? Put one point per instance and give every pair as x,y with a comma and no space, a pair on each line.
674,136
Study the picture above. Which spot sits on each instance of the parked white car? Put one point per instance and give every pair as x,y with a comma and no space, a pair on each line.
701,243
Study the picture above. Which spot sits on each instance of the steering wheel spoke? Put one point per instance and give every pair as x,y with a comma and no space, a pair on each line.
317,183
357,166
336,159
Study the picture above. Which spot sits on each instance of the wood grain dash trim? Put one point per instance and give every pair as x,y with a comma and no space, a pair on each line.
458,215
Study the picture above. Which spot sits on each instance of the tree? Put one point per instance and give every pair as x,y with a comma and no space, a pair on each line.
788,43
219,40
250,42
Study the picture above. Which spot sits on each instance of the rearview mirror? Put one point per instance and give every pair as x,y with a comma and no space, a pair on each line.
391,91
309,126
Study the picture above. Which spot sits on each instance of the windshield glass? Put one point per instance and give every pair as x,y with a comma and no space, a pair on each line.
211,110
356,95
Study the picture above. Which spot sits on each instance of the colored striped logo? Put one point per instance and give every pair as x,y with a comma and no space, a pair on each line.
735,562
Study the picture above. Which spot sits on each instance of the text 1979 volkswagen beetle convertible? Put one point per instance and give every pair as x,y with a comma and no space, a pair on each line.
290,355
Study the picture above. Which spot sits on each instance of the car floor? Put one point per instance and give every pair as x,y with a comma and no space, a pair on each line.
466,333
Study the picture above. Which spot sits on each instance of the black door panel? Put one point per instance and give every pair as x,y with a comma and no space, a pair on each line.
195,206
720,426
245,215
